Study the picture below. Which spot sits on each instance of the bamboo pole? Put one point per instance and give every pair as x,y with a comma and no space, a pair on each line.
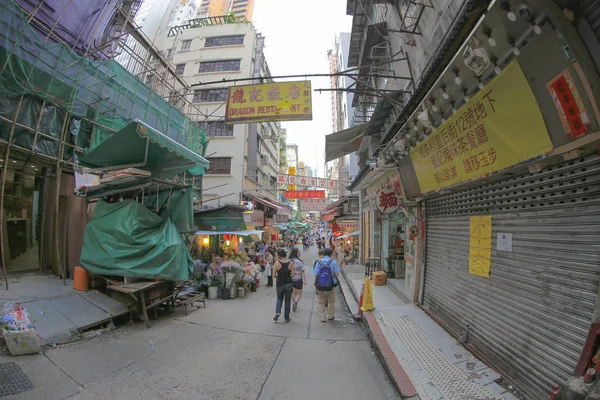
56,218
2,185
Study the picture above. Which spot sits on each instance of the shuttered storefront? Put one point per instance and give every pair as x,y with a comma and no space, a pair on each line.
530,318
591,11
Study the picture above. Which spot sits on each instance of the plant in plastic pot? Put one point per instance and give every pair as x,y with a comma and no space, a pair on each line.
225,293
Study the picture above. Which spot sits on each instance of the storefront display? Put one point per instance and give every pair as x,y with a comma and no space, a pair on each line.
397,238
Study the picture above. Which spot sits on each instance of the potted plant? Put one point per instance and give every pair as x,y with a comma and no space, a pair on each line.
241,291
213,289
232,273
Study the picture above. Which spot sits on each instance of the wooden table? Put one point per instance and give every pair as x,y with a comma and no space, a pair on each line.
139,288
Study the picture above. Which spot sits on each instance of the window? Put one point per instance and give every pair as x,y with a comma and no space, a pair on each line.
179,68
219,165
209,95
149,79
186,45
224,41
216,128
218,66
169,54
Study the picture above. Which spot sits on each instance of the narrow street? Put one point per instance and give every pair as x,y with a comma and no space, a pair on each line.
230,350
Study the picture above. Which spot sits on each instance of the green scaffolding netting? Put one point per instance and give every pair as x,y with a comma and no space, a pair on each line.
102,91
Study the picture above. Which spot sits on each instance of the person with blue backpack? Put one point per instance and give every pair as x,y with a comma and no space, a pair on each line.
326,272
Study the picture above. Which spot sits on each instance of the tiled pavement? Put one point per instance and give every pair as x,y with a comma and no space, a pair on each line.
437,365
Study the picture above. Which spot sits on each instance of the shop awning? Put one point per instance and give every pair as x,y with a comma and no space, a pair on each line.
335,204
253,236
269,203
329,216
239,233
356,233
141,146
281,227
344,142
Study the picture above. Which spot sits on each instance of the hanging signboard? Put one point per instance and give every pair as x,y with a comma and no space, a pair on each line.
274,101
304,194
306,181
501,126
257,218
347,224
281,218
390,180
313,204
480,245
388,201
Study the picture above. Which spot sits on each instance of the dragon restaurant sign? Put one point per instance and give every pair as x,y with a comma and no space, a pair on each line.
388,201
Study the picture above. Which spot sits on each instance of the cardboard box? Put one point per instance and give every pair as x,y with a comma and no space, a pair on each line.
379,278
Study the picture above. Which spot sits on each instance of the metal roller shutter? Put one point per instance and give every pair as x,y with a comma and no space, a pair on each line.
591,11
531,317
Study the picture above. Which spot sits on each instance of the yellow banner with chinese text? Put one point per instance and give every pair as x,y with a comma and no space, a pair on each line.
274,101
480,245
499,127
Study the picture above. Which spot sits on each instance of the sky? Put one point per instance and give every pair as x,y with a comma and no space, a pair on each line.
297,37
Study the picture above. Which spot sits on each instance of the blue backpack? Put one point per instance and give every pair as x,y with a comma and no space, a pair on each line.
324,279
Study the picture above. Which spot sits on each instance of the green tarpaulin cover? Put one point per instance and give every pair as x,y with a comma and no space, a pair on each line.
165,157
127,239
176,204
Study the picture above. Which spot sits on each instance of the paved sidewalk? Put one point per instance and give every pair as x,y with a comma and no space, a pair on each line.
437,366
57,311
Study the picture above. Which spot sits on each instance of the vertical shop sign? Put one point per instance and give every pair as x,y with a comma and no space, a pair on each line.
480,245
568,104
292,179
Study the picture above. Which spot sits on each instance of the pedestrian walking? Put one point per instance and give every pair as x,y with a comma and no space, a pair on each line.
326,272
269,266
298,279
283,271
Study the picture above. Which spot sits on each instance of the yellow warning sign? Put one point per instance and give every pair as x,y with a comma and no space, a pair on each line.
480,246
367,304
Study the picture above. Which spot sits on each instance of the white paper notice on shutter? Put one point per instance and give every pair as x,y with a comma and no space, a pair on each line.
504,242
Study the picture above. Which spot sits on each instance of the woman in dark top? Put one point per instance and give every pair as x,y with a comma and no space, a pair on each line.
283,271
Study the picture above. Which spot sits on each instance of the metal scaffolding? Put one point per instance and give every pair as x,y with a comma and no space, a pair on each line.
55,105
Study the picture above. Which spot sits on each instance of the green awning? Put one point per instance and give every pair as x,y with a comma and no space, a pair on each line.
226,218
140,146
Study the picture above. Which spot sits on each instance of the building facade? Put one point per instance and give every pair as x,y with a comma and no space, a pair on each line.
292,155
242,9
491,241
345,167
244,158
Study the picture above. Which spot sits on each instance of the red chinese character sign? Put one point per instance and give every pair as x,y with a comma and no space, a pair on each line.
569,105
273,101
282,179
501,126
388,201
305,181
304,194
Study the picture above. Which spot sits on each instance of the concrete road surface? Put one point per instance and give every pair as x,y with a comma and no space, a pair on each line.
230,350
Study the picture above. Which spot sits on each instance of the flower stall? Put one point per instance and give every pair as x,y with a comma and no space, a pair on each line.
227,270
